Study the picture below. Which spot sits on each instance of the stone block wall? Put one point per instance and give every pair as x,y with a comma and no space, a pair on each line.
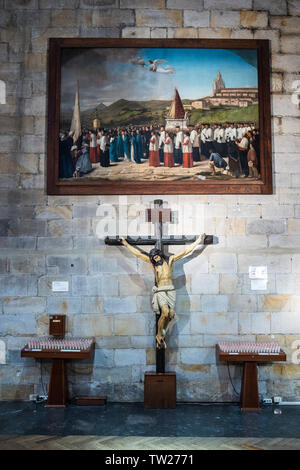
45,238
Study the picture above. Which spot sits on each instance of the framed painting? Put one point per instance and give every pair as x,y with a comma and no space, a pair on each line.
139,116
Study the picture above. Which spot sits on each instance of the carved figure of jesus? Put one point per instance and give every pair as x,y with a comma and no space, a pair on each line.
164,292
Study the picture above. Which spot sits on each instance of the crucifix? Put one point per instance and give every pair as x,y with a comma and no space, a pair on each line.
164,293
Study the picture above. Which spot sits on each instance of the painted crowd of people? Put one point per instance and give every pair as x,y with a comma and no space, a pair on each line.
231,147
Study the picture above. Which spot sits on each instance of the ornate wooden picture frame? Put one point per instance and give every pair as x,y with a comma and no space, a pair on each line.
158,116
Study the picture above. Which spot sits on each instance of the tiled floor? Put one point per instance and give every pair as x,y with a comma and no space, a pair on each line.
186,420
173,445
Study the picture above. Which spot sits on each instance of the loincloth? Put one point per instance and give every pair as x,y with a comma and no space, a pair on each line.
164,295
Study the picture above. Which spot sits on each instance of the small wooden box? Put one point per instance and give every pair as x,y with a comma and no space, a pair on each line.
160,390
57,325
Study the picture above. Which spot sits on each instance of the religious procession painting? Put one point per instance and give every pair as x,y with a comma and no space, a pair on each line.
147,116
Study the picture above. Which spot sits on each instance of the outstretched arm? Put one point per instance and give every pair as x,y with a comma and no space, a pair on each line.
188,249
135,251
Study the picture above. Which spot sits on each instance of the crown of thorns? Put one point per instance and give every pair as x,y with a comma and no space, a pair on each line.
155,252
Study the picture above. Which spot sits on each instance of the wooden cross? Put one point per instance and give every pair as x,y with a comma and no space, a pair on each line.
158,216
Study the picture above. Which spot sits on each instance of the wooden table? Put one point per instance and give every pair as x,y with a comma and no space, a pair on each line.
58,385
249,400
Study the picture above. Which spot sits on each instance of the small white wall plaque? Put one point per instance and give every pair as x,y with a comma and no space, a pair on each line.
259,284
60,286
2,352
258,272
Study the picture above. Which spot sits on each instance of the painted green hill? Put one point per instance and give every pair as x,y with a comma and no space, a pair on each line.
224,114
124,113
138,113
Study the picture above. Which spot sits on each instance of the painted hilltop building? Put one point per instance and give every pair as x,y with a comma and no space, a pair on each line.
241,97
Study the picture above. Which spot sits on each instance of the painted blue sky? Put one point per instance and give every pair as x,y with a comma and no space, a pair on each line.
106,75
196,69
